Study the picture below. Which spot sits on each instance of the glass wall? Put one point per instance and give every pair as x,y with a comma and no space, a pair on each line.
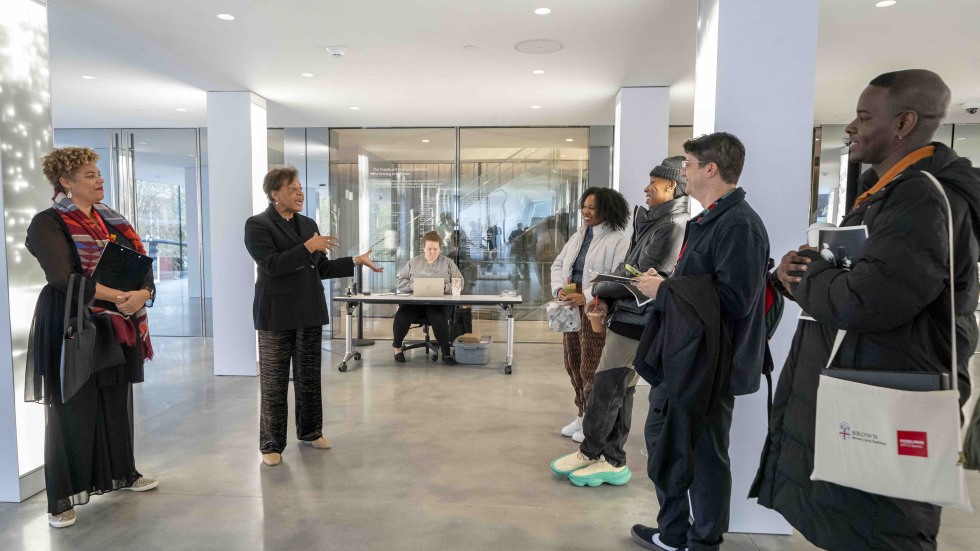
518,203
502,219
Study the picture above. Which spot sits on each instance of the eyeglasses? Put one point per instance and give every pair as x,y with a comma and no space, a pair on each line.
685,163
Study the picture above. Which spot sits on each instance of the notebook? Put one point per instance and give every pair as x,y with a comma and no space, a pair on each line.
428,287
121,268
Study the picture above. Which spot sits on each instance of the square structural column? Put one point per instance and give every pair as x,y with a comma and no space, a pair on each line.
25,135
755,78
237,162
641,133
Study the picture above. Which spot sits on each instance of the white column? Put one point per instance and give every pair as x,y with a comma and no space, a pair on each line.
642,121
26,135
237,160
755,79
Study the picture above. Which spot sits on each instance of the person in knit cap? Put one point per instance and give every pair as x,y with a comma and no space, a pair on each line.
658,231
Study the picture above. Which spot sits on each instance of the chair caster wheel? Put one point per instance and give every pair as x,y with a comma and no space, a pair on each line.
508,369
342,367
435,357
357,355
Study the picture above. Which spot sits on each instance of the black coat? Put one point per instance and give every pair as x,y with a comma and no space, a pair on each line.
895,307
288,290
658,233
686,347
730,244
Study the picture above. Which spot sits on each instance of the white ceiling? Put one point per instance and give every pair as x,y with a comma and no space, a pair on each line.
407,65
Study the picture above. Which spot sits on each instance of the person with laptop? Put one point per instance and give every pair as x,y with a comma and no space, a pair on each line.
426,266
88,436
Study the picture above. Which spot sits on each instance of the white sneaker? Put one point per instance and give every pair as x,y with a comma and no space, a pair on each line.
567,464
572,428
579,436
63,520
142,484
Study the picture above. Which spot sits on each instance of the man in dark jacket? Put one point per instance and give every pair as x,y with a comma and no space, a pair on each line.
728,242
894,304
658,231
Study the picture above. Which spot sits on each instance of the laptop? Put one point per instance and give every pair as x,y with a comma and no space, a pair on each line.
428,287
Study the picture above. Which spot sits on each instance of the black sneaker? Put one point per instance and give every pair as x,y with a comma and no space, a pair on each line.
400,357
449,360
649,538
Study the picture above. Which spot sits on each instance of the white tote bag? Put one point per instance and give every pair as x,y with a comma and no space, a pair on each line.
897,443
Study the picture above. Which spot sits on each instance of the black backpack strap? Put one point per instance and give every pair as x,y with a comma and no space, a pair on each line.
767,369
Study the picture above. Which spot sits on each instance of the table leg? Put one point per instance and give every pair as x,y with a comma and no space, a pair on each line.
348,336
508,369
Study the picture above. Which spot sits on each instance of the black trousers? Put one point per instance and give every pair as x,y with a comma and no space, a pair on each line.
437,316
710,492
277,349
608,416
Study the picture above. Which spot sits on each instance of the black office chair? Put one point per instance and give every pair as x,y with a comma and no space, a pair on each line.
426,343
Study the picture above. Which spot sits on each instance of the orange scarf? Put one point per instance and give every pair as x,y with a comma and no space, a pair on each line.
894,171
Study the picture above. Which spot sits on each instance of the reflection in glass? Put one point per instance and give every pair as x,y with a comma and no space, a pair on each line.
519,192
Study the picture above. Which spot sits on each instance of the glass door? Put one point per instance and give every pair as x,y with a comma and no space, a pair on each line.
166,209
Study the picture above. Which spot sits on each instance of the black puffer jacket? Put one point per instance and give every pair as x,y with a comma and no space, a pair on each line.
658,234
895,307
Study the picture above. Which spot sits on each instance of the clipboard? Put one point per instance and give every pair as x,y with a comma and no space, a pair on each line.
121,268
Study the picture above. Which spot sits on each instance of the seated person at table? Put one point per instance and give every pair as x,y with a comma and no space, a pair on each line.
428,264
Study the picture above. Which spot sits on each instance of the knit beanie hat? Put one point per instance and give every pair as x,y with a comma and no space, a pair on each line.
670,169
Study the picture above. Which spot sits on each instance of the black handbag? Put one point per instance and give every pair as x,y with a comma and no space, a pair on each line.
78,341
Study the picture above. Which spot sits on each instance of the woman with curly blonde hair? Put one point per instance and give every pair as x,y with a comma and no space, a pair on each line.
88,438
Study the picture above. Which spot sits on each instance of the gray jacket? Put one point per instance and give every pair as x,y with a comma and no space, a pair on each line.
417,267
658,234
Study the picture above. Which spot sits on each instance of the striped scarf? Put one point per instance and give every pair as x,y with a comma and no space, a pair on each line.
90,237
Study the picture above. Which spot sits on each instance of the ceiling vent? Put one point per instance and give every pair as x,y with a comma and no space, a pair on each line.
538,46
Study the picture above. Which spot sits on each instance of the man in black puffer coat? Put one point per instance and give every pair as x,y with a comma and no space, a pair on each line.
894,304
658,232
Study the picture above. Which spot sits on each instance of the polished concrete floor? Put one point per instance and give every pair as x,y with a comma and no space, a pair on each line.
425,457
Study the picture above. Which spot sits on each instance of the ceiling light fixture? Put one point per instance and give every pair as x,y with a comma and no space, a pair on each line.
88,77
226,17
307,75
535,107
181,109
354,108
569,140
425,141
885,3
542,11
538,72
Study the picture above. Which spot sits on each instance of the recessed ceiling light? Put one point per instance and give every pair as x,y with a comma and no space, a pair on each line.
191,155
958,139
569,140
425,141
307,75
142,143
817,139
885,3
538,72
535,107
542,11
354,108
181,109
88,77
226,17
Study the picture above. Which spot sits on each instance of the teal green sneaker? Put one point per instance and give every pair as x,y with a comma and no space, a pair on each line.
601,472
567,464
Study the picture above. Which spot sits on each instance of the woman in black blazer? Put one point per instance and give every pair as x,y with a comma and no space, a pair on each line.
290,310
